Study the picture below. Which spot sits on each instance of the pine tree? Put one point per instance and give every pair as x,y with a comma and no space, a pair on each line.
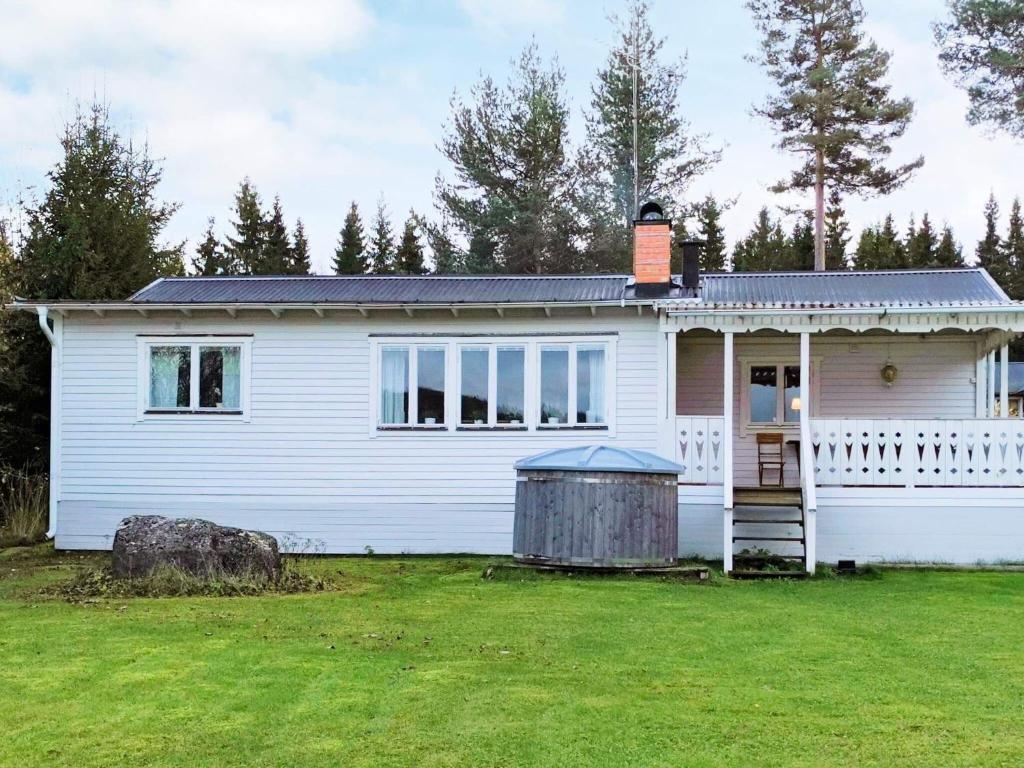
982,49
382,242
989,252
837,233
516,185
1013,249
298,255
94,236
832,106
921,244
211,258
709,223
350,254
409,257
880,248
669,155
246,247
276,251
763,249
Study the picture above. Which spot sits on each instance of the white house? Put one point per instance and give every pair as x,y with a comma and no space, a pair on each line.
345,413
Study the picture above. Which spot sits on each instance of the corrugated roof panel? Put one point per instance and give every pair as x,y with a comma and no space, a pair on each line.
383,290
851,289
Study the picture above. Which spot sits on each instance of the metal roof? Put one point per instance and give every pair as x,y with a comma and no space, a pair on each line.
851,289
483,289
599,458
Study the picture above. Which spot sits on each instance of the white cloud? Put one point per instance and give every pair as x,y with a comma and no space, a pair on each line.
513,14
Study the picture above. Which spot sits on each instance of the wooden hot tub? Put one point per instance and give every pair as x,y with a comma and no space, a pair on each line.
596,506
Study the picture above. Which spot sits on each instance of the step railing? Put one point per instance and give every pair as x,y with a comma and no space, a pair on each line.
921,452
700,449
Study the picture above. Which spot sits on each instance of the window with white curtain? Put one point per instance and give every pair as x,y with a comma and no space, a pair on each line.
466,384
188,376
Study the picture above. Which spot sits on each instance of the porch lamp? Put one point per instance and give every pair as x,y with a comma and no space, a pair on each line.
889,373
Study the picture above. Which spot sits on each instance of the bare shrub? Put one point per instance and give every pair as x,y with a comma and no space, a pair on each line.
24,507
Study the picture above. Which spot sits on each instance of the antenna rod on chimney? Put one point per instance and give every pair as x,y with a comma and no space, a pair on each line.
636,116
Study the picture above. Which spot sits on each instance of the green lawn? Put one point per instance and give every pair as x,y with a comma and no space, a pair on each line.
420,662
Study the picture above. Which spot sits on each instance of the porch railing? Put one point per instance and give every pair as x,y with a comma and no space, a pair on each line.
700,449
930,452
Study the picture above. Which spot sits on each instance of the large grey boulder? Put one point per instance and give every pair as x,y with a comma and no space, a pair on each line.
146,542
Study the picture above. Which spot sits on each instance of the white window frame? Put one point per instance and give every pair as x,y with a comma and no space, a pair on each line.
194,412
748,427
573,347
453,384
412,372
492,386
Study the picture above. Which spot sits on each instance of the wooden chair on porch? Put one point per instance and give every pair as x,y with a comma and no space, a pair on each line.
769,455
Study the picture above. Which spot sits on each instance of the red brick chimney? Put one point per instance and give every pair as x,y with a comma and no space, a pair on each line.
652,247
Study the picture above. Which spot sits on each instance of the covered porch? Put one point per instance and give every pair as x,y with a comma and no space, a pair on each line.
881,407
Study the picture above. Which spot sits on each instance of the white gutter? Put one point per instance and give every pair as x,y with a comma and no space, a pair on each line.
1016,308
55,337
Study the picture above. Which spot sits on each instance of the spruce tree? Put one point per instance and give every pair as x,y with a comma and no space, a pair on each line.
880,247
837,233
1013,250
711,231
989,252
832,106
948,254
245,248
298,255
763,249
276,252
515,182
95,235
211,258
447,258
409,257
800,245
982,49
382,243
350,254
921,244
669,156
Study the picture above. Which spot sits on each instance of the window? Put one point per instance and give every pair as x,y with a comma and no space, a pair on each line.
492,386
554,385
773,394
186,376
517,384
419,370
572,385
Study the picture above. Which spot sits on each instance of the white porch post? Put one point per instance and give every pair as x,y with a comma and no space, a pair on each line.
727,408
806,464
1004,381
990,392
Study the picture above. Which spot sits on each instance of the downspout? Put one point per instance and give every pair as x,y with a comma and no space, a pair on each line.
54,336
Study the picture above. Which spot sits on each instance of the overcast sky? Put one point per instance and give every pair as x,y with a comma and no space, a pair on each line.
326,101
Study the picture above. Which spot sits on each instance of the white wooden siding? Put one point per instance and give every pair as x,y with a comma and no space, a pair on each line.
936,380
305,468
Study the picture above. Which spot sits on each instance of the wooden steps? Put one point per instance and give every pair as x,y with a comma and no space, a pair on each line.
775,509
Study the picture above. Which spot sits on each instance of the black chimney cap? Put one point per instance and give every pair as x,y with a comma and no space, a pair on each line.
651,211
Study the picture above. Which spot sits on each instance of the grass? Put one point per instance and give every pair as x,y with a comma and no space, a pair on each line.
24,507
420,662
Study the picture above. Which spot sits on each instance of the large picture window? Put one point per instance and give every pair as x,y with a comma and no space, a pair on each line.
484,384
187,376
